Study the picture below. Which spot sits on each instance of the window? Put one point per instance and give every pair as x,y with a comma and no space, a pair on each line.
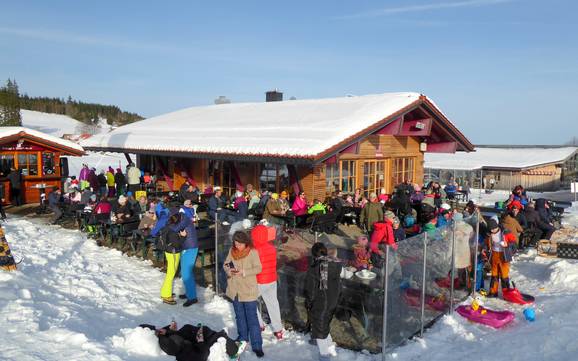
348,175
402,169
48,167
341,176
268,177
373,176
6,162
332,176
28,163
228,183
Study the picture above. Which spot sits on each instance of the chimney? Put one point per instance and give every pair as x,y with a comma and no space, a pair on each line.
273,96
222,100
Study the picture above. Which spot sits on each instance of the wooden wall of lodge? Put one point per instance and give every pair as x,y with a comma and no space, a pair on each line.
537,182
312,179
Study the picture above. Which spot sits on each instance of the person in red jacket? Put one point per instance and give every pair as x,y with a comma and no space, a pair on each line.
382,233
267,279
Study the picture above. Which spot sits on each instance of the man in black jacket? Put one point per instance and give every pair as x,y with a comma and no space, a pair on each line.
190,343
15,178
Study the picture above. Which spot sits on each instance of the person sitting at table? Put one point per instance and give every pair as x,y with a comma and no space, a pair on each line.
240,206
317,207
362,254
216,205
252,197
147,223
357,196
383,196
284,202
121,210
140,207
273,212
73,197
85,196
299,209
103,206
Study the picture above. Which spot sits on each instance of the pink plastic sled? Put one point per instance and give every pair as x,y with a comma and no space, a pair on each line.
495,319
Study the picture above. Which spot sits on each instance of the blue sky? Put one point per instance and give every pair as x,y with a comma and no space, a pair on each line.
505,71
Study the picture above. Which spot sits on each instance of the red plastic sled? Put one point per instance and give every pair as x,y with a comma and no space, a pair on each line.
513,295
445,283
495,319
412,297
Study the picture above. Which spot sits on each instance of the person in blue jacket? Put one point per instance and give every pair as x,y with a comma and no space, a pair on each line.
162,213
189,252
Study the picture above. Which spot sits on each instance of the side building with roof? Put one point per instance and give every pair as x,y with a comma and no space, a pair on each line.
318,145
37,157
536,168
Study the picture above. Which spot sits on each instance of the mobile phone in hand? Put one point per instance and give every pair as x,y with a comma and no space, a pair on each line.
231,265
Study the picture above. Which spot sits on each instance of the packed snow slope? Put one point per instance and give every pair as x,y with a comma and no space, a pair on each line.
53,124
72,300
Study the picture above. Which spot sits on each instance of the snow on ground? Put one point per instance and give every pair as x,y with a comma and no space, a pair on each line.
72,300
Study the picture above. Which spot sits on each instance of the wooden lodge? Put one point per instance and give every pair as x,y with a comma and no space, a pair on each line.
319,145
37,156
536,168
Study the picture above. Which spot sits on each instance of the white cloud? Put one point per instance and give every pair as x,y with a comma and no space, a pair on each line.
424,7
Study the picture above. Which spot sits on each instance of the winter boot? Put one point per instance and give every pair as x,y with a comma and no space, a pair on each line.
505,283
493,287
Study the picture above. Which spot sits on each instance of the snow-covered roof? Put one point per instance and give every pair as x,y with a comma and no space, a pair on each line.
512,158
295,128
6,132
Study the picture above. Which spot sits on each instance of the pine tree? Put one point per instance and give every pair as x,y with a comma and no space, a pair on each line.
10,105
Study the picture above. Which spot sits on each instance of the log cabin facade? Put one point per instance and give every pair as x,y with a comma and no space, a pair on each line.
37,156
318,146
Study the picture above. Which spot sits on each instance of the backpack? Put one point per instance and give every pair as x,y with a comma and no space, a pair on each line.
169,241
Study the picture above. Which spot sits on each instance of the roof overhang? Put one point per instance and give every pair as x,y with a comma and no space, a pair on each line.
40,141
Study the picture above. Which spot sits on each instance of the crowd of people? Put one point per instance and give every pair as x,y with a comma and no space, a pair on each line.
251,263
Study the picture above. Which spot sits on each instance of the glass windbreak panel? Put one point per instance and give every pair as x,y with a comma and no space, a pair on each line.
439,265
268,177
6,163
32,164
48,166
405,281
358,320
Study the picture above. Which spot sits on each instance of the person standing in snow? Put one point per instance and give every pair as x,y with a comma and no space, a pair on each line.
101,183
322,290
499,242
242,266
189,253
53,202
133,178
120,181
267,279
15,178
173,239
110,182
